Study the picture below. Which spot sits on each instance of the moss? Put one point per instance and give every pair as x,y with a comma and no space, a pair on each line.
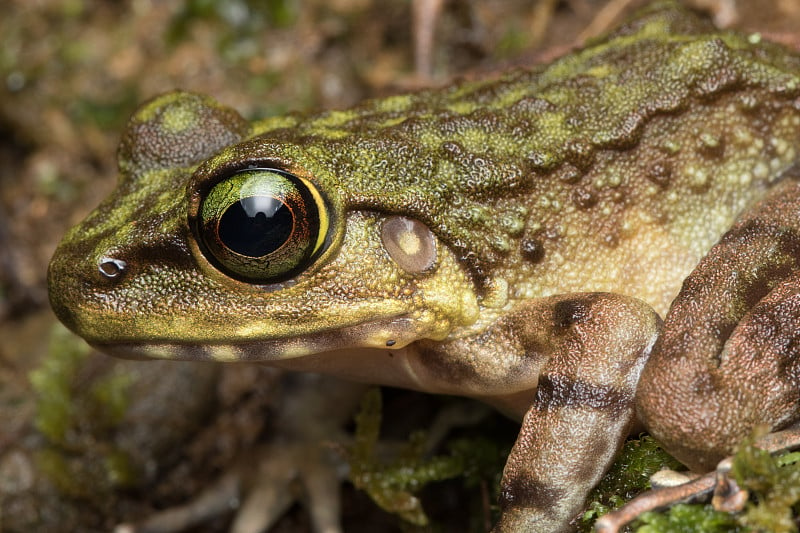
239,21
394,484
628,476
52,383
689,519
119,469
78,412
772,481
108,400
774,486
63,473
109,114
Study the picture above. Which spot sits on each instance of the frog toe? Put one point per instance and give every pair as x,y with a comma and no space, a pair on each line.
283,476
298,464
725,492
260,489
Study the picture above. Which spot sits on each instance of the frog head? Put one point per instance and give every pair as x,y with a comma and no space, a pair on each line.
227,241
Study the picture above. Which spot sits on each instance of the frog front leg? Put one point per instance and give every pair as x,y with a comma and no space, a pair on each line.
570,364
597,345
729,357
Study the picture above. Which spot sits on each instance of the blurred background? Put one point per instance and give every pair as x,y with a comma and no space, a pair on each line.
86,441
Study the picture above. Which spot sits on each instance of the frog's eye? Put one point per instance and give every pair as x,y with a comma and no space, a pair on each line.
263,225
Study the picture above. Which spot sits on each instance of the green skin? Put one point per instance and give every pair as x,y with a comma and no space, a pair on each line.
565,206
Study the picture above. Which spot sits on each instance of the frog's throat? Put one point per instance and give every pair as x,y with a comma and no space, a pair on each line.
381,352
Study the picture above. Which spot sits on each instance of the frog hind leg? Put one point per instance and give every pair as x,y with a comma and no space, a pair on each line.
596,345
729,357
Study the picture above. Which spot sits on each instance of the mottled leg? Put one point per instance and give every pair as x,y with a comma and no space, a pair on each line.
729,357
596,345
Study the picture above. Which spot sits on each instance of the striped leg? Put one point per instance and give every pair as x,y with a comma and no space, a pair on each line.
596,345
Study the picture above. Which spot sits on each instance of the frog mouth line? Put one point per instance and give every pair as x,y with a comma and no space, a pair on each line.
387,334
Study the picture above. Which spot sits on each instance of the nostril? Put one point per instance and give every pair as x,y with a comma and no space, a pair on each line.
111,268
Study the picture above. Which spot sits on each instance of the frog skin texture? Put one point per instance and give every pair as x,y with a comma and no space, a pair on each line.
514,240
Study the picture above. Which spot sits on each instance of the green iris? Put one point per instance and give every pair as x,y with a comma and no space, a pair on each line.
263,225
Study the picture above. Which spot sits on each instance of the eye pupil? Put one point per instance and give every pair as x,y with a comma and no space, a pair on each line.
256,226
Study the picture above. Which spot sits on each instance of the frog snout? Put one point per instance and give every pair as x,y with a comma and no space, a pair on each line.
74,280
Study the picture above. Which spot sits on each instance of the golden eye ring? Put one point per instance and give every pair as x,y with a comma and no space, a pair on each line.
263,225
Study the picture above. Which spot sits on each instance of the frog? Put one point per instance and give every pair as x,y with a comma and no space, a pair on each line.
599,244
